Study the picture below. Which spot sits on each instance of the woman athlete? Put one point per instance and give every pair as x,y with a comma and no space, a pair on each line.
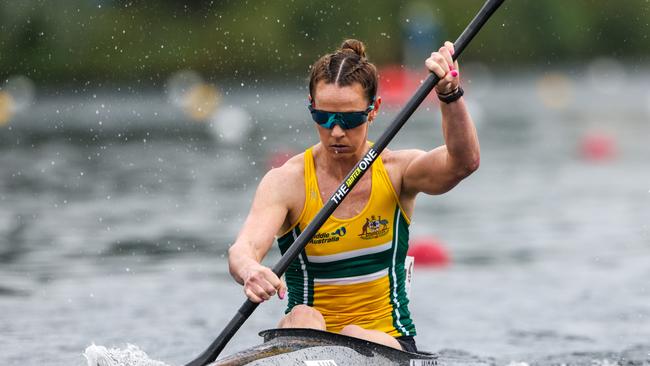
350,277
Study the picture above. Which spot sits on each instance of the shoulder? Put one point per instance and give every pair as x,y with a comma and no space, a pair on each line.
287,175
284,185
396,161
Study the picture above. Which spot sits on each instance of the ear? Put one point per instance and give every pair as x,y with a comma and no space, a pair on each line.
373,113
311,100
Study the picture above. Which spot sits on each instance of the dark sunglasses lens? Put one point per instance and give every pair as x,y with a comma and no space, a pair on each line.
322,118
346,120
354,119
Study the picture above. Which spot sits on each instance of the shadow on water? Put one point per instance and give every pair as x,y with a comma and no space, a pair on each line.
638,355
475,258
13,244
12,292
164,246
85,138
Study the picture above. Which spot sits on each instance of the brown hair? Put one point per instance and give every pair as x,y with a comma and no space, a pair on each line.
346,66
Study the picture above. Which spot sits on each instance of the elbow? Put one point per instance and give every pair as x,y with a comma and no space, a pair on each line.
456,172
474,163
469,166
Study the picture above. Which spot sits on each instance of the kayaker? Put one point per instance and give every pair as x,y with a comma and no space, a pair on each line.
350,277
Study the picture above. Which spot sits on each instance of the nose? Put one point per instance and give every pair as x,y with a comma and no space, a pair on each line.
337,131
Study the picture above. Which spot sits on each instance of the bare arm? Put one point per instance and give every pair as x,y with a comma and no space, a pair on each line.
265,219
439,170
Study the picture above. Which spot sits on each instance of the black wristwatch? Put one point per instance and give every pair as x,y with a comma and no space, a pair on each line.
451,96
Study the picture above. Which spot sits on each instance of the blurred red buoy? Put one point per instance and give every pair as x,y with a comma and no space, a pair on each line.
597,147
428,252
278,158
396,84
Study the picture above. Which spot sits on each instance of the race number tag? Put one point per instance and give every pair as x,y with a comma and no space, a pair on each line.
320,363
424,363
409,264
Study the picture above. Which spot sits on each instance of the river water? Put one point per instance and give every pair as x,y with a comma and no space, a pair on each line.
116,232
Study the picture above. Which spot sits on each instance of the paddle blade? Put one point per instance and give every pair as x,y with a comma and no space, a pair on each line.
213,351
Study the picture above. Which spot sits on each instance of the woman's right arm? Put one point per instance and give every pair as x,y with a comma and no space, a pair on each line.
265,219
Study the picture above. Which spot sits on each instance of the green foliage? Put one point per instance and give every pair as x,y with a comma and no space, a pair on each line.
79,40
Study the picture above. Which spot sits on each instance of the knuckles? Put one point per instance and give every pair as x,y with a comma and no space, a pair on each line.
259,274
258,284
437,57
437,61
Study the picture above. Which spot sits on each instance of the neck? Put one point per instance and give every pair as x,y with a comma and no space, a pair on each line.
338,165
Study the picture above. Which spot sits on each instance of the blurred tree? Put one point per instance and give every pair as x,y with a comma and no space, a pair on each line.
80,40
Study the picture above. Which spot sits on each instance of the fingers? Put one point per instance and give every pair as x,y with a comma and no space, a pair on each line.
282,291
277,284
443,65
437,64
450,47
446,54
441,62
261,284
252,296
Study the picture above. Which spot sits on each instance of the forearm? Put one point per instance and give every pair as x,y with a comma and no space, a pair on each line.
460,135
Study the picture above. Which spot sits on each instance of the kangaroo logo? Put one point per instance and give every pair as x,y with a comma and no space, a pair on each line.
374,227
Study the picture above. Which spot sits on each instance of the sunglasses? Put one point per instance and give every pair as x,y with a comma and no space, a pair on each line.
346,120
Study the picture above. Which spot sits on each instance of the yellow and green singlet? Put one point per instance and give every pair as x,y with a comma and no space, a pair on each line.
352,271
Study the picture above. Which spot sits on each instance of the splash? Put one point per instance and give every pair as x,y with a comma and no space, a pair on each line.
131,356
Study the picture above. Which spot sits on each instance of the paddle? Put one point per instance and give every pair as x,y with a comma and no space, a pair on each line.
350,181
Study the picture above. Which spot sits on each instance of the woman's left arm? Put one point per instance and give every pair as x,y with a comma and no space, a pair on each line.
439,170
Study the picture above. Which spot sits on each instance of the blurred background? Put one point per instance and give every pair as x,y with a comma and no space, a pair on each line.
133,135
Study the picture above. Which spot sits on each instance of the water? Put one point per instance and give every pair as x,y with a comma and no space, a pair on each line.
116,233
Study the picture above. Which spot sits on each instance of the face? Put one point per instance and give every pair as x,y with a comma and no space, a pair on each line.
339,142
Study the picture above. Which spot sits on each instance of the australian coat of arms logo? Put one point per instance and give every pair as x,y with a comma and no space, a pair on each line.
374,227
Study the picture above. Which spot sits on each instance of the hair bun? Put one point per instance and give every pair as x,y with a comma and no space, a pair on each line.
355,46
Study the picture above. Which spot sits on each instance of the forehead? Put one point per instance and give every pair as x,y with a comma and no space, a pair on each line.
335,98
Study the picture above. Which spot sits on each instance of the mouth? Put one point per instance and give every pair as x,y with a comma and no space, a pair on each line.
340,148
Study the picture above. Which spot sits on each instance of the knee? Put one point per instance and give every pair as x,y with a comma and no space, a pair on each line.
303,316
353,331
304,311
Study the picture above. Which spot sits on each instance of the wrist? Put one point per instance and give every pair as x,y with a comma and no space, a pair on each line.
451,96
240,265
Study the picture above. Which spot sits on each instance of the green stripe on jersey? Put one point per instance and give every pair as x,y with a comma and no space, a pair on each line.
401,315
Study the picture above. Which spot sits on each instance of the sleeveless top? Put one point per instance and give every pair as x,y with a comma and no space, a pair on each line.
352,270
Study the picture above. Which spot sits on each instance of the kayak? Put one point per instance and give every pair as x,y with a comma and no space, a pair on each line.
309,347
303,347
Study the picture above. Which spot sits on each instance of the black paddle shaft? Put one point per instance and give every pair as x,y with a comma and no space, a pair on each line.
210,354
